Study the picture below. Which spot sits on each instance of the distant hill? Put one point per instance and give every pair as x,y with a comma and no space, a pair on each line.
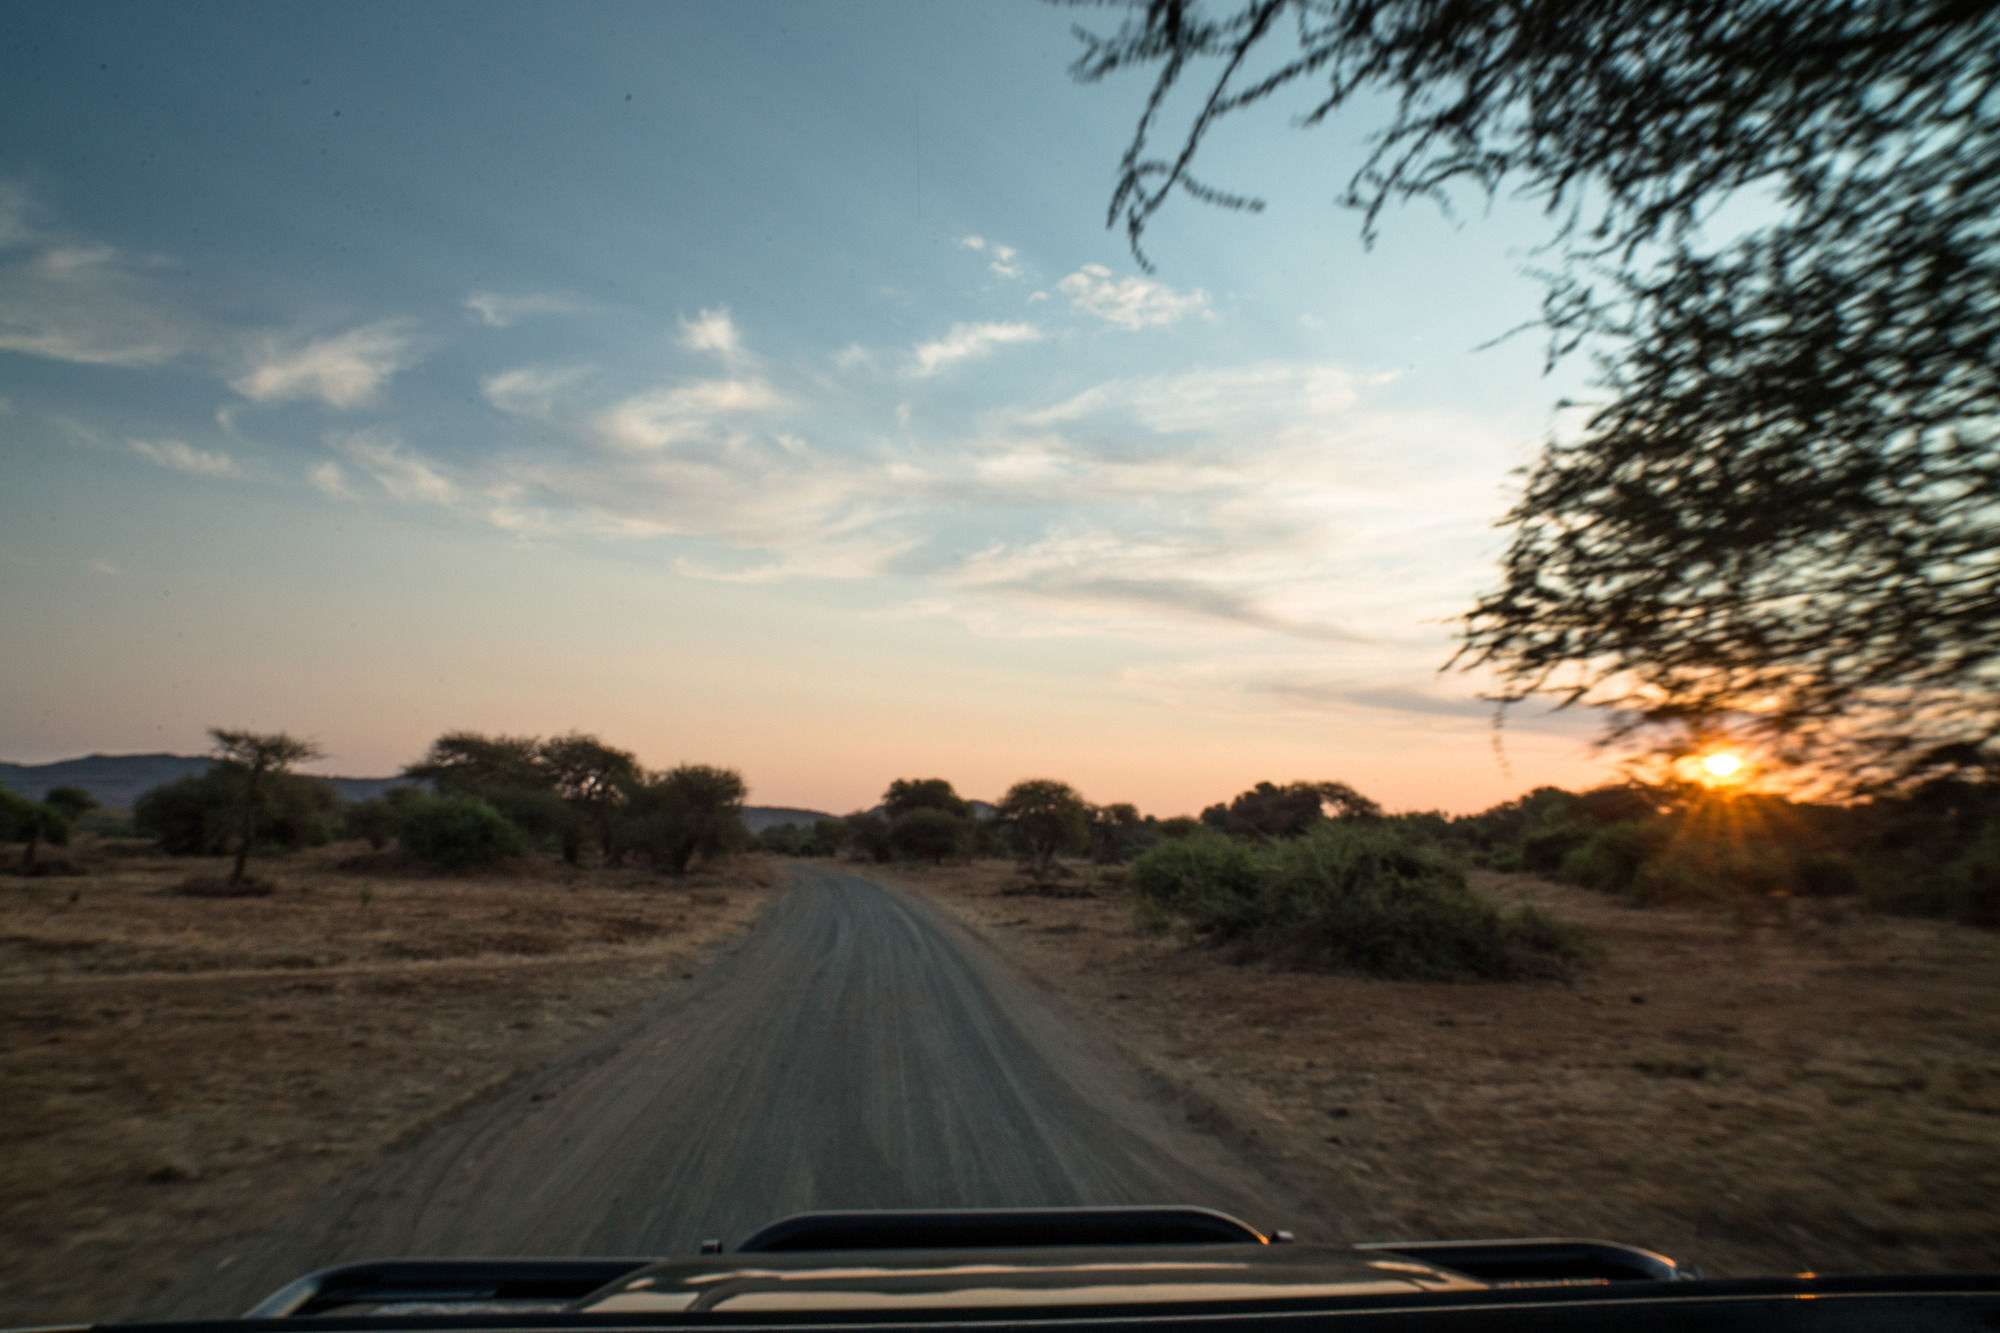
757,818
117,780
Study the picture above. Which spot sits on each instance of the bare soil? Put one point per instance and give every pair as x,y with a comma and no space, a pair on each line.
176,1069
1820,1093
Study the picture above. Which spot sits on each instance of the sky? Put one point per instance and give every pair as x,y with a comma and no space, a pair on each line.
745,383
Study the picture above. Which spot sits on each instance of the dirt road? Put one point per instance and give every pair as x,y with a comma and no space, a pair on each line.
859,1050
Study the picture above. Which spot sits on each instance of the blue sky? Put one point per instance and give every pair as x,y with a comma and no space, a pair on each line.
747,383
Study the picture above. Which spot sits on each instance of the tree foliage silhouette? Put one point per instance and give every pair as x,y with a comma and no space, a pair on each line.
262,757
1778,522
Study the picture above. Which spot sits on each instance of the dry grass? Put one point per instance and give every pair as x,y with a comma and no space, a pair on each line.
1823,1094
177,1068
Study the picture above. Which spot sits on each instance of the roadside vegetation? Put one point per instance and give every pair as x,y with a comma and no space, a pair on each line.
1307,875
1365,897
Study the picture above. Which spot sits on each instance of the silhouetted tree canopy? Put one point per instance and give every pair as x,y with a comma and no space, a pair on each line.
467,763
593,779
1777,523
262,757
74,802
693,810
907,794
1272,811
1045,818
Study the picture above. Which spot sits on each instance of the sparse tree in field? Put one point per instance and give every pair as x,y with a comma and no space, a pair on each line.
73,802
1046,818
695,810
1777,519
1118,833
592,778
907,794
1271,811
261,756
31,823
928,833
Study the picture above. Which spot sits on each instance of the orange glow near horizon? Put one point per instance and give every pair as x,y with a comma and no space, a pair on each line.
1722,765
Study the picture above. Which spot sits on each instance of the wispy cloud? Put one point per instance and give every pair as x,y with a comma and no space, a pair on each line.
712,331
344,371
1133,302
68,298
966,341
401,474
499,311
532,391
662,418
330,481
183,457
1002,262
106,568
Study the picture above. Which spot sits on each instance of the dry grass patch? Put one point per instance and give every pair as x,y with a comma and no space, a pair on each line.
1823,1094
177,1069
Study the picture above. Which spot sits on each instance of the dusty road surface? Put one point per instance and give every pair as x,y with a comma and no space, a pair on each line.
859,1050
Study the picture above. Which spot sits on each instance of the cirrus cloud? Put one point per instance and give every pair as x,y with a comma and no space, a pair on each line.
344,371
1130,303
180,456
965,342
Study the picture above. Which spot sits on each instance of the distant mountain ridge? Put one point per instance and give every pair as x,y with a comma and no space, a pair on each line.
117,780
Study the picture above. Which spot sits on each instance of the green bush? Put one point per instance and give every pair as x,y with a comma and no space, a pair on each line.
1610,859
1965,888
202,815
372,821
1352,896
868,835
930,834
1714,868
456,832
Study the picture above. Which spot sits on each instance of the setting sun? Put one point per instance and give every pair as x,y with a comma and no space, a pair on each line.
1722,765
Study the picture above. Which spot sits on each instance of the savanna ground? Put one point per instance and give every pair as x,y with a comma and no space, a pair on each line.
178,1069
1821,1093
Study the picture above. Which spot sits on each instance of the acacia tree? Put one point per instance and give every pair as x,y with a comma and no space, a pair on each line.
1778,520
907,794
592,778
1272,811
1046,819
259,755
689,811
32,823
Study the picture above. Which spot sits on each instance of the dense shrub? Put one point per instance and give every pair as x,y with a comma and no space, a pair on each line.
1352,896
1610,858
929,833
1964,888
868,835
32,824
201,815
372,821
456,832
694,810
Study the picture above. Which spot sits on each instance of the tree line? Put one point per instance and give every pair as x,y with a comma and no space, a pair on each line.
470,800
473,799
